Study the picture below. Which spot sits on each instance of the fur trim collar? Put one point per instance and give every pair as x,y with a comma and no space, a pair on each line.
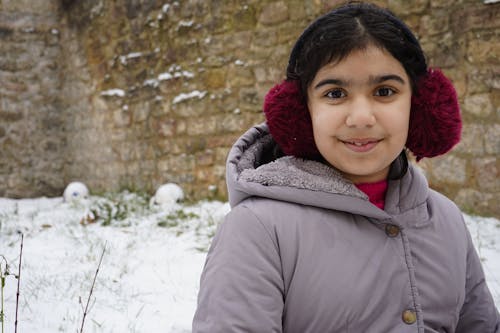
289,171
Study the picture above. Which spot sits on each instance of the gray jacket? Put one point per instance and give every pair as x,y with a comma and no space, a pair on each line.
303,250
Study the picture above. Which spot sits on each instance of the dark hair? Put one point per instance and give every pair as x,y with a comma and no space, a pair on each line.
352,27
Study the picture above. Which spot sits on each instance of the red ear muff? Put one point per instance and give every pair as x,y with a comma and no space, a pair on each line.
289,121
435,122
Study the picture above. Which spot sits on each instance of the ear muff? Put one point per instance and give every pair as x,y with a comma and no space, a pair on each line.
435,122
289,120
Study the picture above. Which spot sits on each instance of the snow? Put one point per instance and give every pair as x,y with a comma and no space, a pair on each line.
124,58
75,191
193,94
149,277
168,194
151,82
187,74
113,92
165,76
168,76
154,255
186,23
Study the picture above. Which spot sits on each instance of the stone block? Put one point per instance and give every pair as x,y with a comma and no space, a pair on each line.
474,201
245,18
270,75
167,146
193,144
8,116
164,126
288,33
27,6
274,13
194,8
177,164
475,17
456,75
205,158
297,10
187,109
214,78
436,24
260,74
229,123
407,7
486,174
16,87
479,105
201,126
132,168
141,111
264,38
492,139
442,3
122,118
482,80
250,96
238,76
118,135
450,169
485,50
472,141
226,140
221,155
219,171
203,175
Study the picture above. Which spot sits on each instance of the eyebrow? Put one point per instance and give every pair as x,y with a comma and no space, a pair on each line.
372,80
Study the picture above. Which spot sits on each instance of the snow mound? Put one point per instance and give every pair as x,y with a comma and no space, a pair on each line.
75,191
168,194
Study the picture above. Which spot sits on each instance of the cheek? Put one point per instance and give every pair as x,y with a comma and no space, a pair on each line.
323,117
400,120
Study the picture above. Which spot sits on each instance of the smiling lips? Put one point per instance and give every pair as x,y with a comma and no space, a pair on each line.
361,145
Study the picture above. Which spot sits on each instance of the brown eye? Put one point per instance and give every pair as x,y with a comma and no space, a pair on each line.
335,94
384,92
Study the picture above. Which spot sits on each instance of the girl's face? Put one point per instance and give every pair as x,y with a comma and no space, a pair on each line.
360,111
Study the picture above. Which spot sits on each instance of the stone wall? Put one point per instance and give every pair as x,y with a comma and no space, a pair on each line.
135,93
31,119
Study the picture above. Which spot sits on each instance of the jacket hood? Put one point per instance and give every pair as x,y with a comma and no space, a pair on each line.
255,167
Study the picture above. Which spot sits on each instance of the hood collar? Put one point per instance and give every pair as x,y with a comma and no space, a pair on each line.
256,167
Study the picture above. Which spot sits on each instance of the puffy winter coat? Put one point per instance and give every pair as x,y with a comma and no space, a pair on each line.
303,250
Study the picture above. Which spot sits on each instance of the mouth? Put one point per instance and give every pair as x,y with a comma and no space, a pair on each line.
361,145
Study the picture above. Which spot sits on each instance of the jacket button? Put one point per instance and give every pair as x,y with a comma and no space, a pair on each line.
391,230
409,317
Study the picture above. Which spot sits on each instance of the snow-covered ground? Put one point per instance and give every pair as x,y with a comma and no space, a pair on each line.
153,257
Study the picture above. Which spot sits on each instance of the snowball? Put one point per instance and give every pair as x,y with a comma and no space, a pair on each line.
168,194
75,191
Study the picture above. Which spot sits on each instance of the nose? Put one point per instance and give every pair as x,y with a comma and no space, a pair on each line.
360,114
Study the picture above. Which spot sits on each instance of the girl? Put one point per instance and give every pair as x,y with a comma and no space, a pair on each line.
331,229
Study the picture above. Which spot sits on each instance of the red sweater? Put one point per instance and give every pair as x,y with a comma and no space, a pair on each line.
375,192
